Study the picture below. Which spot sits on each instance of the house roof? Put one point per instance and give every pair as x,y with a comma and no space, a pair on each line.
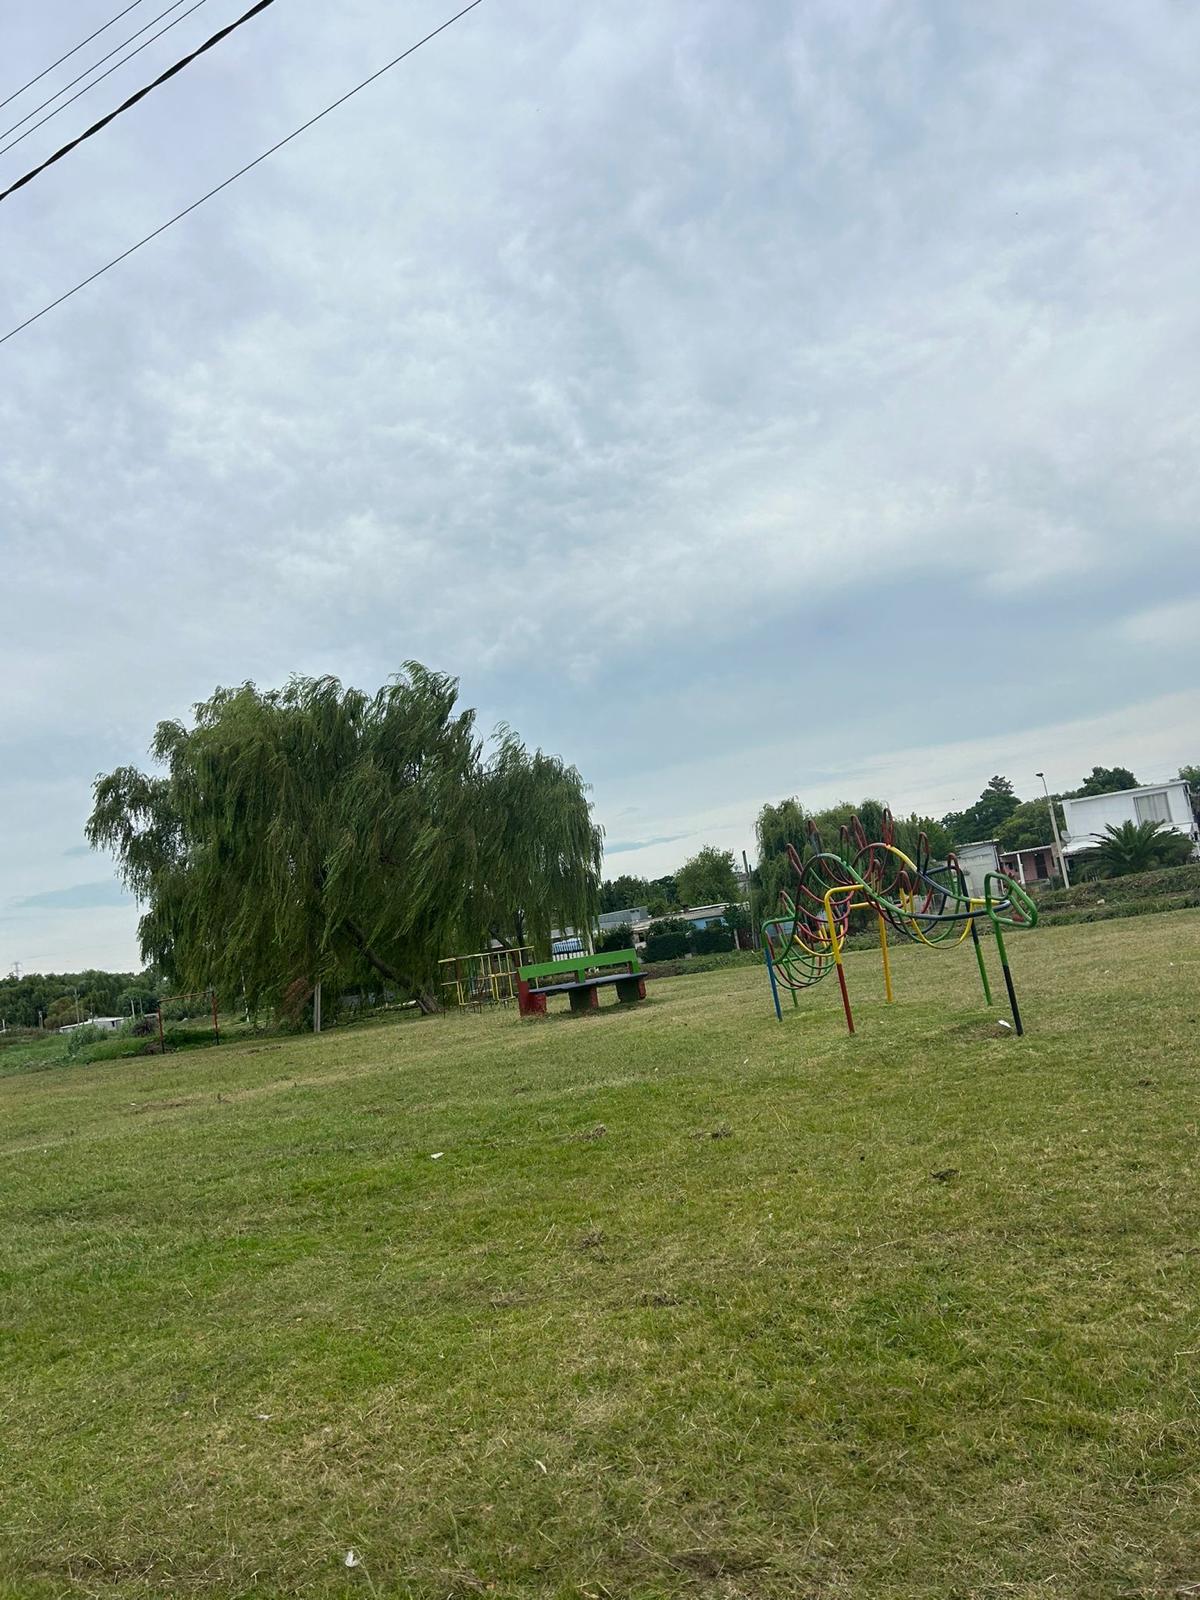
1118,794
614,919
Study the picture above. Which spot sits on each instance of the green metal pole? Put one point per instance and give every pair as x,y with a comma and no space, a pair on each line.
987,989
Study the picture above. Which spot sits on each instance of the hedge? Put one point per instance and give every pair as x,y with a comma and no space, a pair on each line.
1166,889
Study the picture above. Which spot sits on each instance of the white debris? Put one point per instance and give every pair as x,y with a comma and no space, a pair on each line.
1004,1024
437,1155
352,1559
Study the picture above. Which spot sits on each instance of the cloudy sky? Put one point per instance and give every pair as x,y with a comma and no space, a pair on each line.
742,401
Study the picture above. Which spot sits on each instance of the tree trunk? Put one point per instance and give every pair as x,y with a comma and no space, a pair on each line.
428,1003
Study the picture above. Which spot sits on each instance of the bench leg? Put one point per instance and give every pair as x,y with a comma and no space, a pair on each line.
529,1002
630,990
585,999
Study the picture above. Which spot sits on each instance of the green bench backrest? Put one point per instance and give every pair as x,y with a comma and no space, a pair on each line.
581,964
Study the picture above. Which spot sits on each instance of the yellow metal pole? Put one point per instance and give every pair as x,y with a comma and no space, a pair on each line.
887,966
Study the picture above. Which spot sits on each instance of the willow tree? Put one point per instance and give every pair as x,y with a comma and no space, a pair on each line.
539,852
319,834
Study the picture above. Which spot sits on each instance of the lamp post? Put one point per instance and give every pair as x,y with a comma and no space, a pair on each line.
1062,855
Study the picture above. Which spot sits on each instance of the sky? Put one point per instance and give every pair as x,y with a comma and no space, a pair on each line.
741,401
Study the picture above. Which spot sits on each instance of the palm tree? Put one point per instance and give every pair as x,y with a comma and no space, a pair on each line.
1139,847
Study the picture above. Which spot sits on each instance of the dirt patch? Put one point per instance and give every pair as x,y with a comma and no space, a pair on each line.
158,1105
714,1563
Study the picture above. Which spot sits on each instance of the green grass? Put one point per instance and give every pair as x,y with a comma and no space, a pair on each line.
692,1304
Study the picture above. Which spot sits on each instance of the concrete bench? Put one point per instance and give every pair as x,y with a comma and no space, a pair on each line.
578,979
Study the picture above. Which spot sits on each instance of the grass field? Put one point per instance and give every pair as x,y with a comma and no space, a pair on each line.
690,1304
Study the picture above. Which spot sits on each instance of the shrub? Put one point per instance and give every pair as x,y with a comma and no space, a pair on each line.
669,939
713,940
1137,886
670,946
1137,847
618,938
81,1040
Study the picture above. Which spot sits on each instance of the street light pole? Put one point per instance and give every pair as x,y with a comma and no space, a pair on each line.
1062,855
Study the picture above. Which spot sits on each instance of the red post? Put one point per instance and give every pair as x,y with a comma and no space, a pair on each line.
529,1002
162,1043
845,997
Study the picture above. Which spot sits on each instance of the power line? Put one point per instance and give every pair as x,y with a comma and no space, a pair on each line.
64,150
174,6
240,173
69,53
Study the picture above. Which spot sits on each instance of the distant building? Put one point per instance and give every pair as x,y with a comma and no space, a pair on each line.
702,916
616,919
977,859
1088,816
640,920
101,1024
1031,866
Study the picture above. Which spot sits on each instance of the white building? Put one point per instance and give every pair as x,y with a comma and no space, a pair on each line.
1089,816
608,920
977,859
101,1025
640,921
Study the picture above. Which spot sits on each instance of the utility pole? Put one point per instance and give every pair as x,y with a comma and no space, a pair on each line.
1062,855
750,897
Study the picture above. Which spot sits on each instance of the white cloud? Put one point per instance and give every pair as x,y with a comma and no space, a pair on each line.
1170,628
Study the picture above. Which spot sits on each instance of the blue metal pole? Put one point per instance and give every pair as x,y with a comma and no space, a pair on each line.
771,975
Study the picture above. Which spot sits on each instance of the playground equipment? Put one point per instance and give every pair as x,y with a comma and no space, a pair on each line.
485,977
931,905
183,1008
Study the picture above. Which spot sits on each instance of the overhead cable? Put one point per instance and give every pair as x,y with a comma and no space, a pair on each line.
145,44
240,173
72,51
88,133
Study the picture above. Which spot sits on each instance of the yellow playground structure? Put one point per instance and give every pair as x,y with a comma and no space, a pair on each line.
483,978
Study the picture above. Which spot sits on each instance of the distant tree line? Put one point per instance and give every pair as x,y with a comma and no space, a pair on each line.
708,878
50,999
